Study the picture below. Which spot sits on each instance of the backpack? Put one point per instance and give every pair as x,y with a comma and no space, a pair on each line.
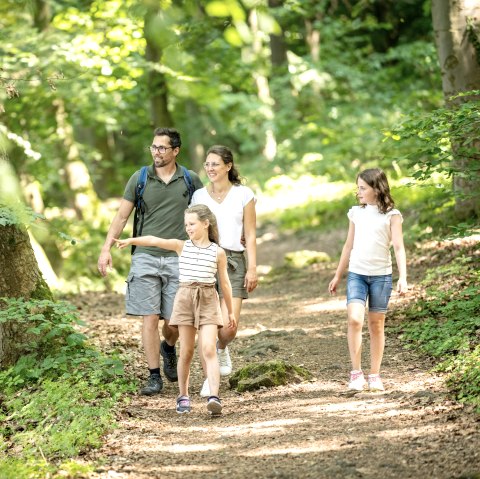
140,203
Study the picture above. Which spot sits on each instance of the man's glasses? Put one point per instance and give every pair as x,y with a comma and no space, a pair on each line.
159,149
211,165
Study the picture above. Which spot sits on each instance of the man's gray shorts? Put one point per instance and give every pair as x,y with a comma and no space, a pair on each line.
151,285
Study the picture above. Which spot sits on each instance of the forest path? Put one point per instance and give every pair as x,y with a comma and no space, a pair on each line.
311,430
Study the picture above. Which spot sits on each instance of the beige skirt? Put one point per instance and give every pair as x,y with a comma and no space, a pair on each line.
196,304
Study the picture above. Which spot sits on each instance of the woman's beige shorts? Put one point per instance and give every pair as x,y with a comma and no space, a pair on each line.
196,304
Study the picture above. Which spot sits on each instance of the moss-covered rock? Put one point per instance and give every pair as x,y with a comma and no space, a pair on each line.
300,259
268,374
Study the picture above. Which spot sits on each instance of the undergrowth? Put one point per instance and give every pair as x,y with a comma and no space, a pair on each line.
444,322
59,398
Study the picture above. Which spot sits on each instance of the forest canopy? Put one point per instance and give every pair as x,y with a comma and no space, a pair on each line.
307,91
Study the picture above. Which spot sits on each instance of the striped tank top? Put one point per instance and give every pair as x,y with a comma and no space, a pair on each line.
198,265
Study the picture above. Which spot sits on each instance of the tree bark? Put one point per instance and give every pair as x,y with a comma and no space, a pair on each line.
278,47
157,84
84,198
41,15
20,278
455,23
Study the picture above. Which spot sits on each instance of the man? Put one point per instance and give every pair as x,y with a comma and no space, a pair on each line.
153,278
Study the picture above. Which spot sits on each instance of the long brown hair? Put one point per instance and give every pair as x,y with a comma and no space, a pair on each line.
227,157
376,179
204,213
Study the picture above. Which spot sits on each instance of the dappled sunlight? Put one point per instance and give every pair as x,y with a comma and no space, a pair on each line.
188,468
309,447
329,305
182,445
262,427
415,432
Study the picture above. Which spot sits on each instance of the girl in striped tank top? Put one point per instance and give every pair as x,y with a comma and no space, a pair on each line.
197,305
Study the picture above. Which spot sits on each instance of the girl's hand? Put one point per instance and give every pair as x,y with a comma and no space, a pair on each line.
122,243
332,287
232,322
251,280
402,286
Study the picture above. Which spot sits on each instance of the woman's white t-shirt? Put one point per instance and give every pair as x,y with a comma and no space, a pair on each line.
229,213
370,254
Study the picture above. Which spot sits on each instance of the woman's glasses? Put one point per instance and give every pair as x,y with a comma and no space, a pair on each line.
211,165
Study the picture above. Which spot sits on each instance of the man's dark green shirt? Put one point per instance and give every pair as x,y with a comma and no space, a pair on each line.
165,207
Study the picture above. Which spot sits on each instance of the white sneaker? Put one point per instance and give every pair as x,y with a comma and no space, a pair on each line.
357,381
375,383
205,392
224,361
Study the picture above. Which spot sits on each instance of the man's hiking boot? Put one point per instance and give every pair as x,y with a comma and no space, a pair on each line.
154,385
169,362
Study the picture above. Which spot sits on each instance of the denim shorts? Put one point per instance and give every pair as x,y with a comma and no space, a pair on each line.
151,285
376,288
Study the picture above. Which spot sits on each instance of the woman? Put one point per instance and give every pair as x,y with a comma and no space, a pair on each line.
234,207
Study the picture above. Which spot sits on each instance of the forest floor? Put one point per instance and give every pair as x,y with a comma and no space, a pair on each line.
315,429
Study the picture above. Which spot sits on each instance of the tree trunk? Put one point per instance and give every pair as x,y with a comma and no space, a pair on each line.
195,127
263,89
84,198
157,84
278,47
20,278
457,30
41,15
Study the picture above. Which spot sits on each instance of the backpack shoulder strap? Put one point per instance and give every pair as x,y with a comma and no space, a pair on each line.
141,183
139,204
188,181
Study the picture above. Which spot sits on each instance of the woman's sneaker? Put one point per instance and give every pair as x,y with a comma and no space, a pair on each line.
357,381
205,392
214,406
375,383
183,405
224,361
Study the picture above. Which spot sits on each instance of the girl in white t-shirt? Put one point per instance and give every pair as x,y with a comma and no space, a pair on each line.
374,226
233,204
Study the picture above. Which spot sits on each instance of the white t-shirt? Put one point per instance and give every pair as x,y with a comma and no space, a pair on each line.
370,255
229,213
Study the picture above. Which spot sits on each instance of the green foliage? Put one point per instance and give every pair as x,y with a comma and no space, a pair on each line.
426,207
55,347
445,323
60,397
439,135
17,215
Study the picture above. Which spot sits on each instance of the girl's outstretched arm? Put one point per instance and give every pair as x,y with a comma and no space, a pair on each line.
170,244
344,258
225,286
400,256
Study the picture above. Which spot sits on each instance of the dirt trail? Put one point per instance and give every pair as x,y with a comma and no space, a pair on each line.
310,430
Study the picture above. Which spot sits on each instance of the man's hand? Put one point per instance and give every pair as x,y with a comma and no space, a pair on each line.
104,263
